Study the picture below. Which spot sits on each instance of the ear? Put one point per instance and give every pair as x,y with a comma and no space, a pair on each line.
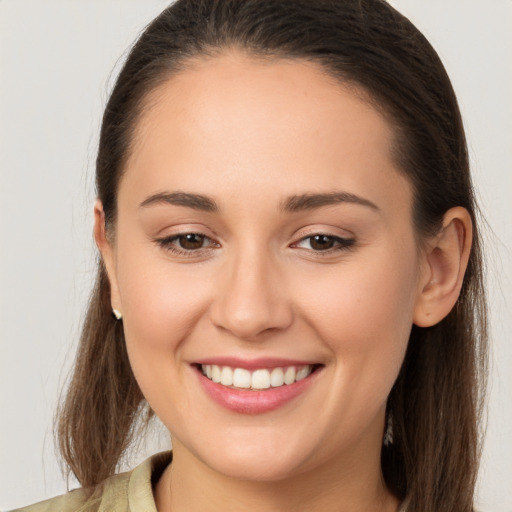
107,253
445,261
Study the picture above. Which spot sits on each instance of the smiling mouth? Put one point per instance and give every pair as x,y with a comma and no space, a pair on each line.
257,380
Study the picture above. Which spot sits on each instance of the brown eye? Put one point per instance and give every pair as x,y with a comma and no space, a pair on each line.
324,243
321,242
187,244
191,241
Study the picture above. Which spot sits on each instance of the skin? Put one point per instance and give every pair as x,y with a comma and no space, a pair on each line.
249,134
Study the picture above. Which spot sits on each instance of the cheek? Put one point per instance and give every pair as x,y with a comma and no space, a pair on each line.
160,306
363,298
363,313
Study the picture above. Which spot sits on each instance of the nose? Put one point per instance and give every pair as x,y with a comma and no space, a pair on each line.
251,297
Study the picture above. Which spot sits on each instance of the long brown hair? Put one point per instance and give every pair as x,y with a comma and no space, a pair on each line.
436,402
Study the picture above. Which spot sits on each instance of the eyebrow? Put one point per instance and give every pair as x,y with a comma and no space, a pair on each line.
194,201
296,203
311,201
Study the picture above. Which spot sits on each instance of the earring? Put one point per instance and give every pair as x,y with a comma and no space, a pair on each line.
117,314
388,435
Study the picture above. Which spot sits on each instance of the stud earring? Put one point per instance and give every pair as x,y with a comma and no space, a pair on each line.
388,435
117,314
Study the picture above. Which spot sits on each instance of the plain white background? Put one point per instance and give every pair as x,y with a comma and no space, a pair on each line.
56,62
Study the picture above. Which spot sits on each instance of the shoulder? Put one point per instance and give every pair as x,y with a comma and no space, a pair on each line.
75,501
125,492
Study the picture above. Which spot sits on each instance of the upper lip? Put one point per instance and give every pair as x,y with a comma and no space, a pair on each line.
254,364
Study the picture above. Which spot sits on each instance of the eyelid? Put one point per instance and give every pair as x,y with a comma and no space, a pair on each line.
323,229
184,228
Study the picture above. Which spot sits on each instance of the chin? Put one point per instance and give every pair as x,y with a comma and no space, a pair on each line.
260,462
257,469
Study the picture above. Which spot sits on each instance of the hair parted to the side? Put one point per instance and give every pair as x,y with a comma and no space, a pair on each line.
436,402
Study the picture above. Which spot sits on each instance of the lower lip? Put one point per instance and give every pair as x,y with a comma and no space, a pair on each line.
246,401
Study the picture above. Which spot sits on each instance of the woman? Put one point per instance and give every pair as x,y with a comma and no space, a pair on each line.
291,274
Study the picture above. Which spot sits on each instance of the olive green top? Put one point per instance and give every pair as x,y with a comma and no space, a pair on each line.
125,492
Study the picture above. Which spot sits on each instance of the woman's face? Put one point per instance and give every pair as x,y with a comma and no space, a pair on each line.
264,235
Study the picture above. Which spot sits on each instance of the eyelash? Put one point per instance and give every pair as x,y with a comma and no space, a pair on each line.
341,244
169,243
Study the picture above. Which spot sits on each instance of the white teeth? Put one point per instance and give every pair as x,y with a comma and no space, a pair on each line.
289,375
258,379
302,373
277,377
226,376
242,378
215,373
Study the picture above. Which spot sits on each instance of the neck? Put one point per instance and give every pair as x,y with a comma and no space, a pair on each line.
330,488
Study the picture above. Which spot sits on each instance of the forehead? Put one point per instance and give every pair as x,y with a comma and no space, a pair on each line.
242,121
236,89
